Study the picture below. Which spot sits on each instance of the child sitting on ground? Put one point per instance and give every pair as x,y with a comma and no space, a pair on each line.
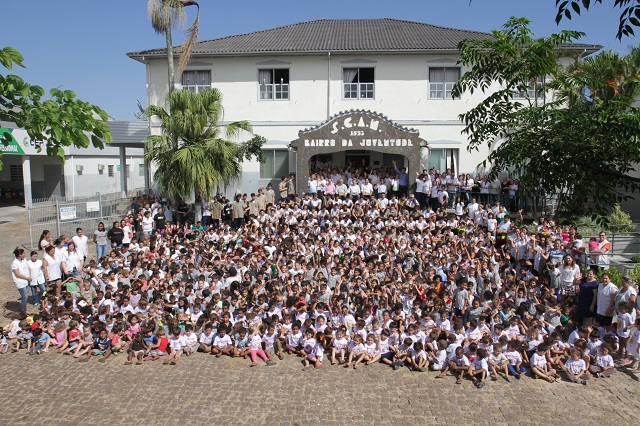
603,365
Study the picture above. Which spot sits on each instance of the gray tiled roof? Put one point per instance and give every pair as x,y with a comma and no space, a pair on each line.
353,35
341,35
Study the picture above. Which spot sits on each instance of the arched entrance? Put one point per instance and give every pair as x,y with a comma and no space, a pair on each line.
360,138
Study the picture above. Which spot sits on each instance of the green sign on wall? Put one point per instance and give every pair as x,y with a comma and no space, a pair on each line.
11,148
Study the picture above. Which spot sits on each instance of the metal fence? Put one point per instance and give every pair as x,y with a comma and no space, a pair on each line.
62,216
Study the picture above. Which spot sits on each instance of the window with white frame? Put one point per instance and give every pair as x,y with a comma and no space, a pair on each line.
530,90
15,172
358,83
276,164
196,81
273,84
443,158
441,81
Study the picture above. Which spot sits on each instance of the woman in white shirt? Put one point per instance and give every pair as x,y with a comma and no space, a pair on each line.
37,277
21,277
627,293
52,269
73,261
569,275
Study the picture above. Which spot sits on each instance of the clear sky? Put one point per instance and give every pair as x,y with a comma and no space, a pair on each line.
81,45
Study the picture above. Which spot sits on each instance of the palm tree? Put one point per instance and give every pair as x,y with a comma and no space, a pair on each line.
194,154
605,77
167,13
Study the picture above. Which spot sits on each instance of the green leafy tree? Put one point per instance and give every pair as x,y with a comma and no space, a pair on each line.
194,154
629,18
576,137
58,120
164,14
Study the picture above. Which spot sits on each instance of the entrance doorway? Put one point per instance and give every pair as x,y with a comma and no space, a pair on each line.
357,158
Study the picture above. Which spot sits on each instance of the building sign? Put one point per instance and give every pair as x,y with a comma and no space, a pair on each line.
13,148
68,213
19,143
356,130
359,130
93,206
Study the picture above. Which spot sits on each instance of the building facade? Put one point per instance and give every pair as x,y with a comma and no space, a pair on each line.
311,75
29,174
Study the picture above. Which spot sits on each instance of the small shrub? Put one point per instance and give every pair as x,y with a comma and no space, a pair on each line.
620,221
635,274
635,258
616,275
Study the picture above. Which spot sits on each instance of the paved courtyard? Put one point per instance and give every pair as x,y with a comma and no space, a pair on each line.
52,389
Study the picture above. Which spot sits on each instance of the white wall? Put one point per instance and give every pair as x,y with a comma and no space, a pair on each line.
91,180
316,92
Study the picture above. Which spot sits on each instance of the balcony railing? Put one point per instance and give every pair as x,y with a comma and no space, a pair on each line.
359,90
274,91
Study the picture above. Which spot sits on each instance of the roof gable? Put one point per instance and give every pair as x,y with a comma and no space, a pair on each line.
342,35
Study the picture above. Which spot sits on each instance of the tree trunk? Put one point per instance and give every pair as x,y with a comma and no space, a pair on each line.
170,59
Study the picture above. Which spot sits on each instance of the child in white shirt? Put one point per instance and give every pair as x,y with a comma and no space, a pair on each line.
357,352
603,365
479,368
499,364
339,348
539,365
633,349
576,368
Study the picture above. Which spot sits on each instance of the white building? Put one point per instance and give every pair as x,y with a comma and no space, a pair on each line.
29,174
287,79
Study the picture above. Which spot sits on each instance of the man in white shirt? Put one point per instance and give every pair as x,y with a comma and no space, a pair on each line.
81,242
426,190
606,300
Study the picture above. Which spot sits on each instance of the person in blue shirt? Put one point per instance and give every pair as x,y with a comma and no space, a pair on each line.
404,179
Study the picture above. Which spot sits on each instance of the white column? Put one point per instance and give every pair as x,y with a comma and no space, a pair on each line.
123,171
26,180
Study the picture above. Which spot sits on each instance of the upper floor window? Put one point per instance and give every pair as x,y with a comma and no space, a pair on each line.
196,81
358,83
531,91
273,84
441,81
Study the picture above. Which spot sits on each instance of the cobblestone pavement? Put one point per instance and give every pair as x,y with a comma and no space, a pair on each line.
54,389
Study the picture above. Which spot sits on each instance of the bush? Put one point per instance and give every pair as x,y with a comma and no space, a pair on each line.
617,222
616,275
620,221
635,274
635,258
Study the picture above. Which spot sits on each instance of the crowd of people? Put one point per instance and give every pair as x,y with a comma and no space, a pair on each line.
359,276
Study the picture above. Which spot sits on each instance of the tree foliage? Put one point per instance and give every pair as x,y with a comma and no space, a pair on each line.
629,18
167,13
194,154
577,137
57,121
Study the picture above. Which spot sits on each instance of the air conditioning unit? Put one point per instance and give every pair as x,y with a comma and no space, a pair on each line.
79,168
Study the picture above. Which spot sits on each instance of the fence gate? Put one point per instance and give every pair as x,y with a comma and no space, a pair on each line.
61,216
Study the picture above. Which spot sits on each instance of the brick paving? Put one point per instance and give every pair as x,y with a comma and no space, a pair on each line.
53,389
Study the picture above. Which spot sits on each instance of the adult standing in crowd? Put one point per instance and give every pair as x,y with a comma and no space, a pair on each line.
82,243
116,235
283,188
51,266
100,240
21,277
45,240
